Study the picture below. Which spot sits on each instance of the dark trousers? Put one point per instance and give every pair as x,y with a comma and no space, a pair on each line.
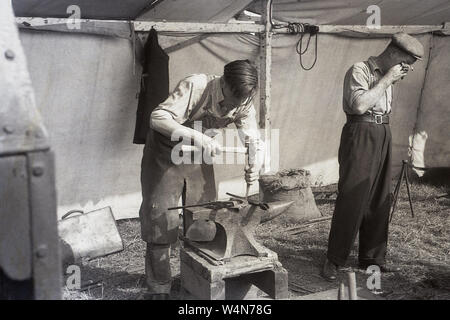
364,194
163,185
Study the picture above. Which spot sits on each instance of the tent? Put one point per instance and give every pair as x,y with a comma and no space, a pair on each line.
87,81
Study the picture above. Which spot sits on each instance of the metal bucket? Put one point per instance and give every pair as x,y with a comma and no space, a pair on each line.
89,235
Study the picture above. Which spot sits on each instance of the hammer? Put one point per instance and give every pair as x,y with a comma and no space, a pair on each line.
188,148
247,148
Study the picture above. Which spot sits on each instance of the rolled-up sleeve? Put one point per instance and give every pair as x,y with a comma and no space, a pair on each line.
356,82
175,107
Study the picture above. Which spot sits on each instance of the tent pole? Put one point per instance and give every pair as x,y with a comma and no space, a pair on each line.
265,81
121,28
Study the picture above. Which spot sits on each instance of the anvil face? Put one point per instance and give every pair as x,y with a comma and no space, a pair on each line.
234,229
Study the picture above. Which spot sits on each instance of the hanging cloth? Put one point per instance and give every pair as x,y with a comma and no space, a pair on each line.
154,85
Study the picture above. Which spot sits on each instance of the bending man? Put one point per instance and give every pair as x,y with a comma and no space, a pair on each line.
209,100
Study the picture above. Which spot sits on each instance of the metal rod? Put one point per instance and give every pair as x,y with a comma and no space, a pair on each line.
407,188
400,179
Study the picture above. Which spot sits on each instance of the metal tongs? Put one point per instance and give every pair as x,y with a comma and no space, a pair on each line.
262,205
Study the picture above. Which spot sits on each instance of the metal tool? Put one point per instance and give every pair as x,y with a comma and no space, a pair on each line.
247,147
212,205
403,175
262,205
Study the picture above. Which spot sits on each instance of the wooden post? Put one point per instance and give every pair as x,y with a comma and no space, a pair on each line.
265,80
352,294
122,29
341,291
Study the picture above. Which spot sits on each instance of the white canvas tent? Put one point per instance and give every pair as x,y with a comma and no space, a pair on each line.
86,83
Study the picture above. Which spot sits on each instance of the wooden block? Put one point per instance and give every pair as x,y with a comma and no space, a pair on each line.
240,289
238,279
235,267
273,282
200,287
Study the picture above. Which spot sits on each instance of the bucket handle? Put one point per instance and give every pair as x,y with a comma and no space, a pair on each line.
70,213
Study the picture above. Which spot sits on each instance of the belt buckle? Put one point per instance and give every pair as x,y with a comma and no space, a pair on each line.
380,117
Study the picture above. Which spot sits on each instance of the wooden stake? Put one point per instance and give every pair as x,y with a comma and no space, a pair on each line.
352,294
341,291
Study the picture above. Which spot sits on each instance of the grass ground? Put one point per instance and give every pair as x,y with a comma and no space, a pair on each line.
420,245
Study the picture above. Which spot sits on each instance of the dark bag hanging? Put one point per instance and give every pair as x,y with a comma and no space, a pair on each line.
154,85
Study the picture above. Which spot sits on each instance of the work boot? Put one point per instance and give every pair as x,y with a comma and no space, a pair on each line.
154,296
159,296
329,270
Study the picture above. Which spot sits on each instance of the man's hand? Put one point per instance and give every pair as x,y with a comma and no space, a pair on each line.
210,146
397,72
251,174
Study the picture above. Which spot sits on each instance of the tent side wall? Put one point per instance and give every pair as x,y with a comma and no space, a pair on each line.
87,93
432,133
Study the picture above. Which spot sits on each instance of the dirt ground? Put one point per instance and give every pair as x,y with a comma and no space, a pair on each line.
419,245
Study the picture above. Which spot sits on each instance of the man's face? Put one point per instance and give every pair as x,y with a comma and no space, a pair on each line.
230,101
400,57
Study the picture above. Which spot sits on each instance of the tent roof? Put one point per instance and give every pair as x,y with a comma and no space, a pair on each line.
172,10
339,12
196,10
354,12
90,9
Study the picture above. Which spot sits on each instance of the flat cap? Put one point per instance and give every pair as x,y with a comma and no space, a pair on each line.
409,44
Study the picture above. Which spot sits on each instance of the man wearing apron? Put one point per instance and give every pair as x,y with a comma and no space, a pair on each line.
212,102
364,187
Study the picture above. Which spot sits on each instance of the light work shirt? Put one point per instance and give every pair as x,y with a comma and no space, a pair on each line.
198,97
361,77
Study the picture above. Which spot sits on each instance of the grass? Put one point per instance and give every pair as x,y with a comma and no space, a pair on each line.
420,245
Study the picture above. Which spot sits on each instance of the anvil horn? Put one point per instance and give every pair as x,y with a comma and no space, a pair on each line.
275,209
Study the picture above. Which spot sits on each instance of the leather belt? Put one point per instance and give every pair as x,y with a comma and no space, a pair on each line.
373,118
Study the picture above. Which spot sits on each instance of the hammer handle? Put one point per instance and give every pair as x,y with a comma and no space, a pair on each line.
187,148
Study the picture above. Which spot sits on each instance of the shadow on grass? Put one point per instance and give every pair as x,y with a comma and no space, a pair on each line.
419,280
436,177
117,285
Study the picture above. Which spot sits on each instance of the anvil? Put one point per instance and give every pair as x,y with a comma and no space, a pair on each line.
225,229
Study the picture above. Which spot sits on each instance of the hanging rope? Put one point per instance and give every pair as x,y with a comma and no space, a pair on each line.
295,28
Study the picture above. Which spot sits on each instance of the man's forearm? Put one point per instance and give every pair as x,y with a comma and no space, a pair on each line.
172,129
369,98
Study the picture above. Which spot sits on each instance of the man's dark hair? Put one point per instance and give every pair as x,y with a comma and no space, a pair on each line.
242,78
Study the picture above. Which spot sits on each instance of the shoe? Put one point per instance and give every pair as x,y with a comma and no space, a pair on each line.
329,271
154,296
159,296
384,268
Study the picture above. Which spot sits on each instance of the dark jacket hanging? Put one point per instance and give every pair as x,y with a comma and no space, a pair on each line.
154,85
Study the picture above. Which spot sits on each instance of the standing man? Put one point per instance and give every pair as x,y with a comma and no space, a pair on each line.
212,102
364,188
